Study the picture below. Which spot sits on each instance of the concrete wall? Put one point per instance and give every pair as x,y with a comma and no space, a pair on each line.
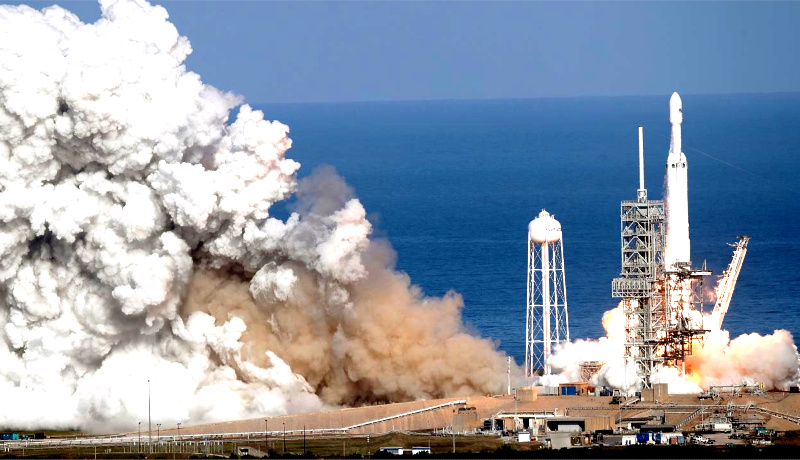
485,406
337,418
659,392
466,419
528,394
604,422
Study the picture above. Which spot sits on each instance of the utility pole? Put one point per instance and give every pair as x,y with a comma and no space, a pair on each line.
304,439
453,431
702,413
149,421
158,436
139,446
284,437
179,439
516,412
266,436
509,375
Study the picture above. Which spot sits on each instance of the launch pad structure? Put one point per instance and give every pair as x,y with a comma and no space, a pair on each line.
661,292
655,301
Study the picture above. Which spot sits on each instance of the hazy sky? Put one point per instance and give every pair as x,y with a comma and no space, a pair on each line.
305,51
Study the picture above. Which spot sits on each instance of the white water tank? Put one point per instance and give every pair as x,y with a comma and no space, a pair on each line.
545,228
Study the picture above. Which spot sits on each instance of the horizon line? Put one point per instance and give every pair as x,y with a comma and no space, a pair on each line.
525,98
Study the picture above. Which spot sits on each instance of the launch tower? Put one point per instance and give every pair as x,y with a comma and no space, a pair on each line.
547,321
661,293
642,233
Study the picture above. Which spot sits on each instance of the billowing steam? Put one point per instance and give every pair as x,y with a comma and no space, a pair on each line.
137,243
771,360
750,358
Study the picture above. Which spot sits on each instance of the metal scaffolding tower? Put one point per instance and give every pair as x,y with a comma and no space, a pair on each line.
547,319
656,301
683,293
642,232
639,285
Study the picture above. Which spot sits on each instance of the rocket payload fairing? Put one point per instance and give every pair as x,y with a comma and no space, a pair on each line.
678,247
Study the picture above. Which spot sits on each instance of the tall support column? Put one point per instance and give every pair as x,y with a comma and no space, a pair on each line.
547,318
545,308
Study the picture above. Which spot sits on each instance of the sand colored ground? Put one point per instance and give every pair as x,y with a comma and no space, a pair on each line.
675,408
338,419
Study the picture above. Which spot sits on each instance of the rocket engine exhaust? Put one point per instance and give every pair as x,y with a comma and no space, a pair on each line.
751,358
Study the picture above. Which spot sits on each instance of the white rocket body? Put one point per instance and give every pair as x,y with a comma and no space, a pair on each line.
678,247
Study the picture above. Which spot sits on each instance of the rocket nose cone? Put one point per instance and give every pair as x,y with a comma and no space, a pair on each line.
675,109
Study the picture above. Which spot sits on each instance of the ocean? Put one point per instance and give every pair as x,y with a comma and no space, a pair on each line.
453,184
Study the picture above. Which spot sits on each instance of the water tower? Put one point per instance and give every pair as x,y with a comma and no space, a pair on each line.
547,321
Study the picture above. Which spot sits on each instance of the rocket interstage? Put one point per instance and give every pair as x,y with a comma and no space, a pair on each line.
678,246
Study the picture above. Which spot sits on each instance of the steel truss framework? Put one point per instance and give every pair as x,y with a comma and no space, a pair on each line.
640,284
547,319
684,293
589,369
656,302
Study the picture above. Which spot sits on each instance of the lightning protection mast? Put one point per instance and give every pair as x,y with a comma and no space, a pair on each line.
642,233
547,322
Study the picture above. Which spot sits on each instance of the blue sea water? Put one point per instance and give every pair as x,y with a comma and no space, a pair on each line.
453,184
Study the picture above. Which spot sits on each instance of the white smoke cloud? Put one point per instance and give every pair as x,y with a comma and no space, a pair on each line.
124,191
772,360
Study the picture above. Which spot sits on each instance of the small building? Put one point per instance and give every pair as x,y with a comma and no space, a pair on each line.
466,420
420,450
563,441
619,439
573,389
657,428
392,450
580,424
714,426
649,417
527,394
545,390
653,437
544,422
675,438
659,392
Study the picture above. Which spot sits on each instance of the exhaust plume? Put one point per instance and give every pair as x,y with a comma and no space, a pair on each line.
137,243
750,358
